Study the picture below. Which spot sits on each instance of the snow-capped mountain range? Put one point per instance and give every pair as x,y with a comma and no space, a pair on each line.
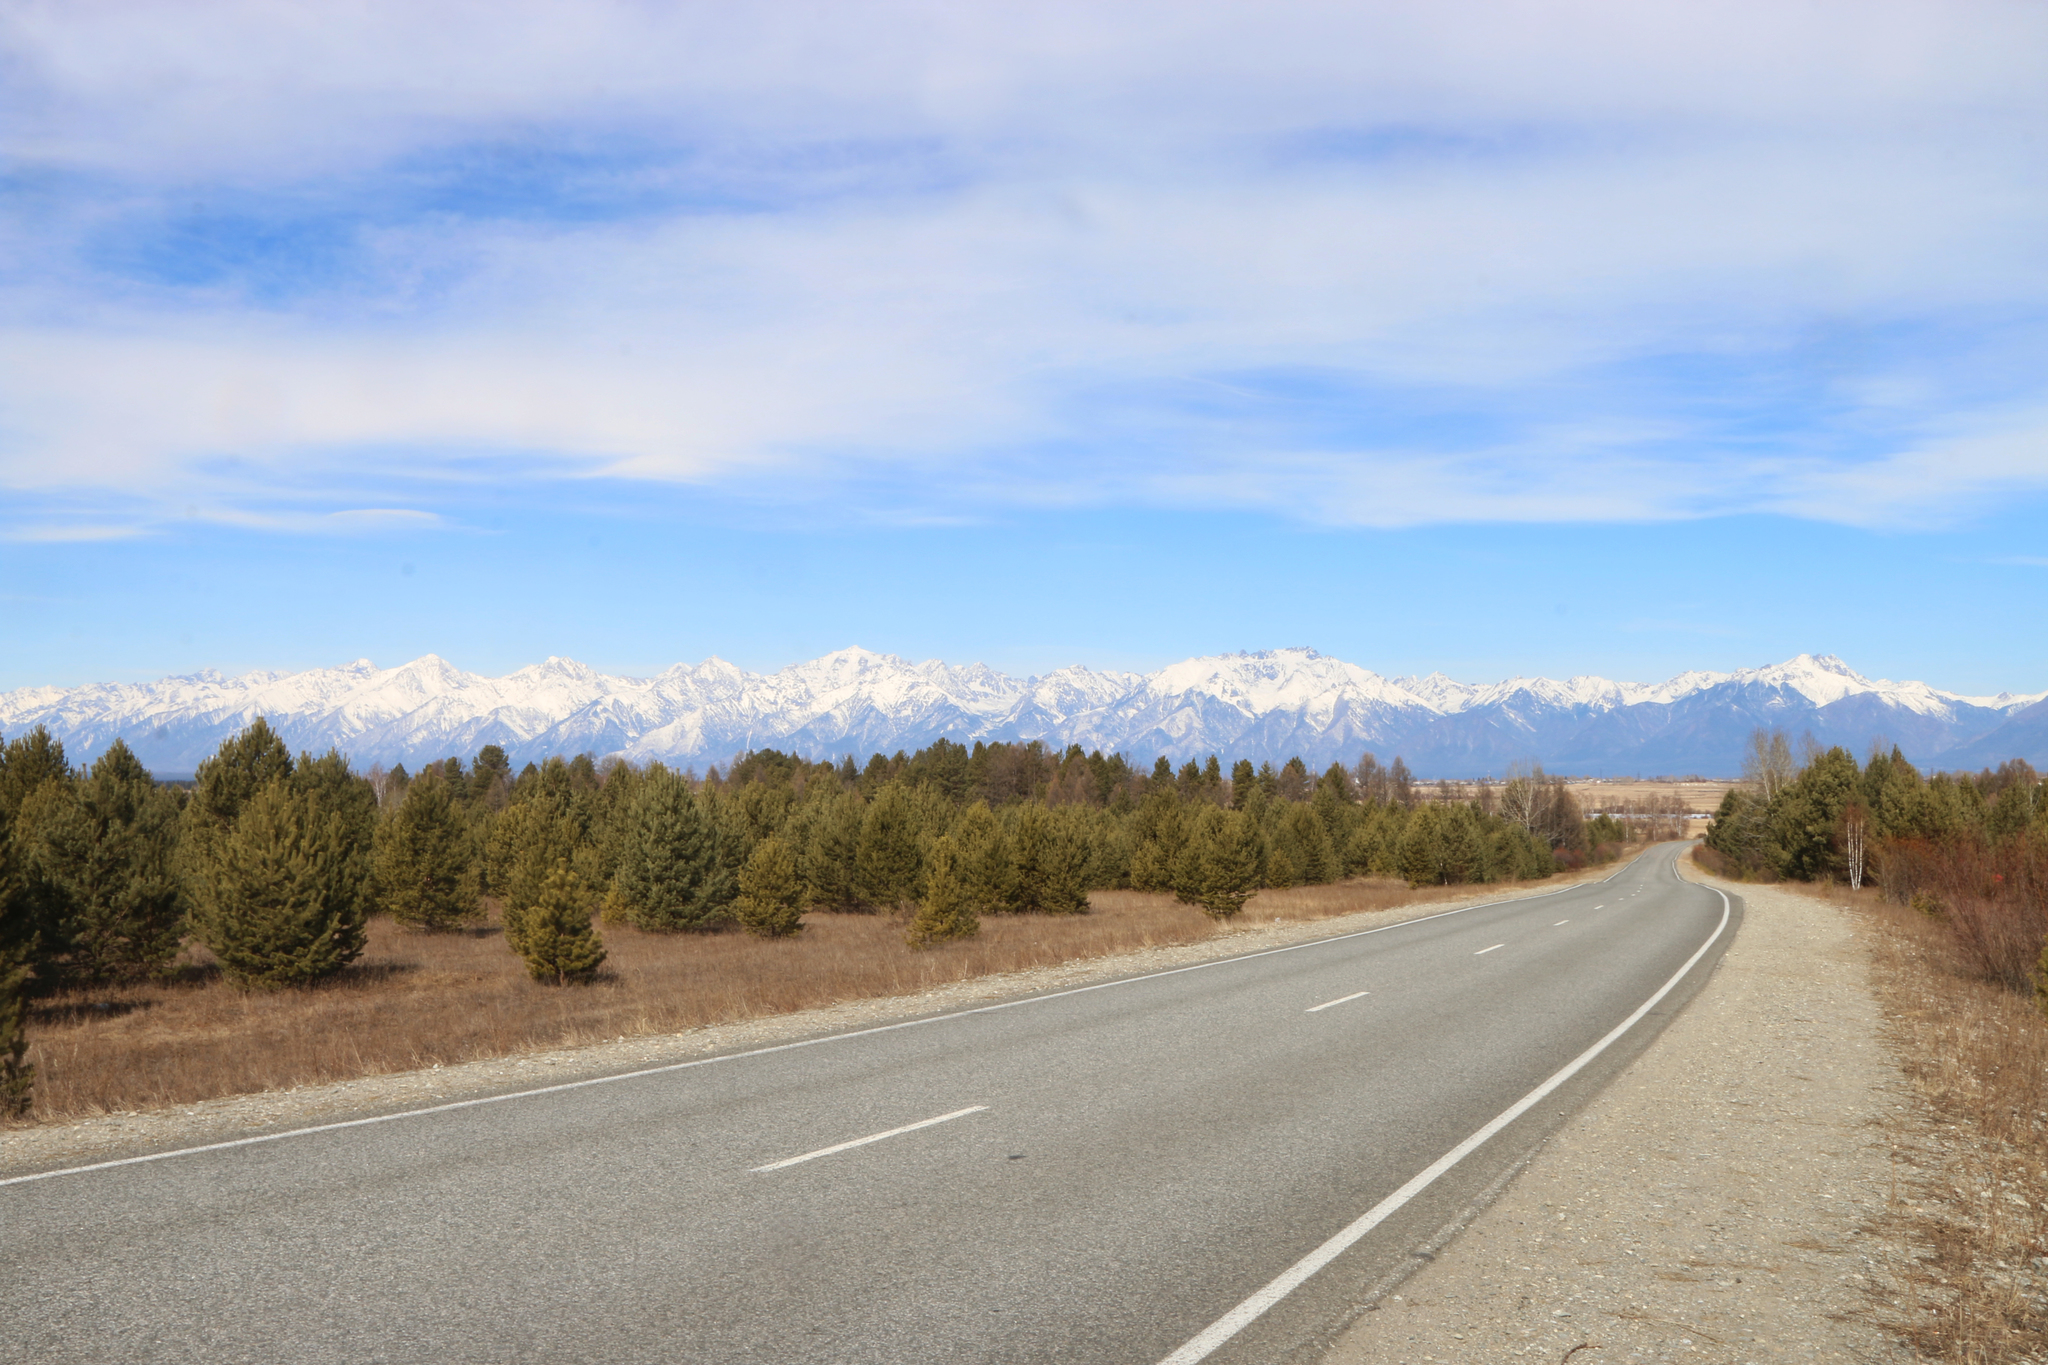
1267,705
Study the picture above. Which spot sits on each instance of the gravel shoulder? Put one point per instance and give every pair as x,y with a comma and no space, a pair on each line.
112,1136
1713,1204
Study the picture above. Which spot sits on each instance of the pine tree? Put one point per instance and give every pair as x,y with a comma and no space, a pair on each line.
276,904
26,763
17,1077
1048,863
1422,852
99,855
671,874
945,911
984,859
559,942
523,844
423,860
351,800
831,868
888,866
1230,864
771,899
1243,777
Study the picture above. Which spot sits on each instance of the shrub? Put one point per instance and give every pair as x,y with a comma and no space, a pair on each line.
560,944
771,900
945,911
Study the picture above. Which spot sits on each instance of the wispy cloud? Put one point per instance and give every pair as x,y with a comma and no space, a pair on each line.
1379,265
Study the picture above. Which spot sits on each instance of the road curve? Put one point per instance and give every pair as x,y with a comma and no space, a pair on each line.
1093,1175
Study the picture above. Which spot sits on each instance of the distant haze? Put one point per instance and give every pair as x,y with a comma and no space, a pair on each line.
1264,706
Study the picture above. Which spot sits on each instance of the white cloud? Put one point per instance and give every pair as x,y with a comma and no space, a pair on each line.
1129,235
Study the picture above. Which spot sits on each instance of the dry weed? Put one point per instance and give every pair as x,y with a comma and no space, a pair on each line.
1969,1216
415,1000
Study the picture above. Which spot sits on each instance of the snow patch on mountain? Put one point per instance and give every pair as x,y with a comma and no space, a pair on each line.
1265,705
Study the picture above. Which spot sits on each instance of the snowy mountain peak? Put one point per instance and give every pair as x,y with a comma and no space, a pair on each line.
1267,704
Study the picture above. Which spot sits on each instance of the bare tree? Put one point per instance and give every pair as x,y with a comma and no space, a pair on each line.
1767,762
1854,829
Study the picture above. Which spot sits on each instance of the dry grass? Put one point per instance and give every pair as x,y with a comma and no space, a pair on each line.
415,1000
1970,1211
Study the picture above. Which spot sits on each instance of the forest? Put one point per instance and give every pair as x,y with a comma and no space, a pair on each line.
266,868
1969,851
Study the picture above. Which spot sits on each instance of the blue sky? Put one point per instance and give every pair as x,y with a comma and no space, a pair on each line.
1494,338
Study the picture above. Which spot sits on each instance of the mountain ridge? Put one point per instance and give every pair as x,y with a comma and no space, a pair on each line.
1263,705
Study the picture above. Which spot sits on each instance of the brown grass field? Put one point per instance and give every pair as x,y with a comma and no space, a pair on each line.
415,1000
1968,1215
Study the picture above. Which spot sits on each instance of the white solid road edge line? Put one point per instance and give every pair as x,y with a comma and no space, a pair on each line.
872,1137
1242,1316
1341,1000
819,1041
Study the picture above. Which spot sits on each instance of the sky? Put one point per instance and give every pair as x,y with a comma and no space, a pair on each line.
1495,338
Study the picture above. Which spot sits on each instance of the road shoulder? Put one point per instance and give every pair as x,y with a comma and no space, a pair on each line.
1712,1203
114,1136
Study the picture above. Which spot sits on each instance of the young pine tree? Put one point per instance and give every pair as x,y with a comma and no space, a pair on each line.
524,843
423,860
888,867
945,912
671,876
983,858
1230,864
559,942
1049,864
99,855
276,903
771,899
831,856
17,1077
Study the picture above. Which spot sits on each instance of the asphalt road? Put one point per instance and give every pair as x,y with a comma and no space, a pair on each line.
1122,1166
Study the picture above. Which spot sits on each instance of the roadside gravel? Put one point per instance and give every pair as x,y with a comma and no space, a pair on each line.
112,1136
1712,1205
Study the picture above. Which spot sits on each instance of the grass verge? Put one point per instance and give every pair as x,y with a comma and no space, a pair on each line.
417,1000
1968,1222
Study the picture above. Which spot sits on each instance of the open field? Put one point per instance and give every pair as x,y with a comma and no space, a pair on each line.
417,1000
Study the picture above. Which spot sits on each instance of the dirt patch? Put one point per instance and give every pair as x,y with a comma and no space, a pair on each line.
1715,1203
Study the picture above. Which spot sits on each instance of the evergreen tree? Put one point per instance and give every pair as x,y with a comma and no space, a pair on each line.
1464,847
1158,831
1230,864
945,910
771,899
831,867
671,876
336,791
424,868
1048,863
99,854
983,861
26,763
888,865
524,843
276,903
558,941
1422,847
1243,777
17,943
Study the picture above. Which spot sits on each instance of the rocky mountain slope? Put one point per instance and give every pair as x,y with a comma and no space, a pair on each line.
1266,705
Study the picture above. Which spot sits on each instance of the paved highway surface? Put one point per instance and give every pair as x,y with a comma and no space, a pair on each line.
1095,1175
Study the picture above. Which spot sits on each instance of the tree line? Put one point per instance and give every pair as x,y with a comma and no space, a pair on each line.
1969,850
275,862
